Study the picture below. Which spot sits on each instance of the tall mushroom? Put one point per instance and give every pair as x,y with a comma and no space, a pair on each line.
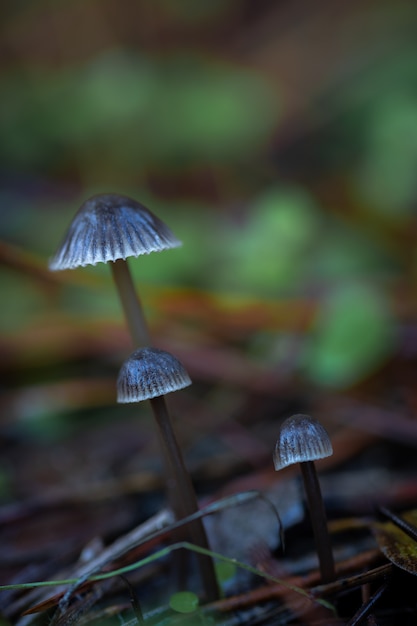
302,439
110,228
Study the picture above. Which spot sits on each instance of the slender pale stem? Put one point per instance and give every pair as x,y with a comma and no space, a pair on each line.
131,303
186,498
318,521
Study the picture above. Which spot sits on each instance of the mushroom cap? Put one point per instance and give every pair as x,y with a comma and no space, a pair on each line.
149,373
108,227
301,438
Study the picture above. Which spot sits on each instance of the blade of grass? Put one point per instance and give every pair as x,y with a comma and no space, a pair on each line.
163,552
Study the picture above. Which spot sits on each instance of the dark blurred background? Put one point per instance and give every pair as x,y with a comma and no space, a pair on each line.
278,140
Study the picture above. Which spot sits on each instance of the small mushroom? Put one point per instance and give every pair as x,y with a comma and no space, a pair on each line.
302,439
112,227
149,374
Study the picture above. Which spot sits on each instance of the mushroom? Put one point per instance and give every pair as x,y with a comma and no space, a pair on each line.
149,374
112,227
302,439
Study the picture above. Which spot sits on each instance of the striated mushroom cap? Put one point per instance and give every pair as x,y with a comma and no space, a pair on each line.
301,438
149,373
108,227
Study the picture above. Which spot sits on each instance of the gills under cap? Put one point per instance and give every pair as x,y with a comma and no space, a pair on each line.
149,373
108,227
301,438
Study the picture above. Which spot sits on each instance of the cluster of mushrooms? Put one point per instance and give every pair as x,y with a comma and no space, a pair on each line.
109,228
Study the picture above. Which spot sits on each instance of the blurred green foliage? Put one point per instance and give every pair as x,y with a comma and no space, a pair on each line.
386,178
23,302
280,156
352,334
267,254
135,110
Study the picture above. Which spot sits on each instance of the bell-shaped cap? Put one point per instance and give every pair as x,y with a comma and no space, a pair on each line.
149,373
301,438
108,227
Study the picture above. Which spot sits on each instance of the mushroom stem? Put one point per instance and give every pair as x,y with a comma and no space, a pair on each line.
186,501
131,304
318,521
180,489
